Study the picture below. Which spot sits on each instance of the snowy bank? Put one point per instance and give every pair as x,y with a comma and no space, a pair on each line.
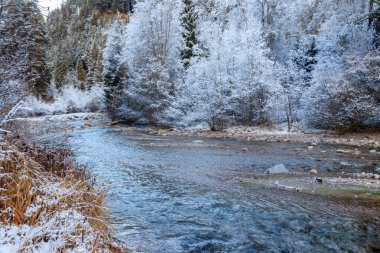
45,209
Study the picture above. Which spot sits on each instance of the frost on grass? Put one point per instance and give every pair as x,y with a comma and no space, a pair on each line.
43,212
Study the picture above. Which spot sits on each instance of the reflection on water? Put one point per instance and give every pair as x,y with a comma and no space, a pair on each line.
168,194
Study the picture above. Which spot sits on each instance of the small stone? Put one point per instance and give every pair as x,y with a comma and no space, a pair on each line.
310,147
313,171
244,149
314,144
373,151
319,180
278,169
376,176
377,170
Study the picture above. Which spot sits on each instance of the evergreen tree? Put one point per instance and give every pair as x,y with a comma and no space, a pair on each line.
304,59
23,45
92,64
58,72
81,70
189,20
113,71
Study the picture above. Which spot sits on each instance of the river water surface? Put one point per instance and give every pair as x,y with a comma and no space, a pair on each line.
184,194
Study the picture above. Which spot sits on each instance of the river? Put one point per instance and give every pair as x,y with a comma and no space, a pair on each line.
185,194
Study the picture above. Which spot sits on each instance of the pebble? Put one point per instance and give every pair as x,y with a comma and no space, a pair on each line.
313,171
319,180
373,151
244,149
310,147
366,175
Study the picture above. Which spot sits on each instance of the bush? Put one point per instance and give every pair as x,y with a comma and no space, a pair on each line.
69,100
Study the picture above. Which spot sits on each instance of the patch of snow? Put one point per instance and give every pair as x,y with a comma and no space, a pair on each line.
259,131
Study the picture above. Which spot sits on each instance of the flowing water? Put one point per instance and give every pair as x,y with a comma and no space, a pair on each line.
184,194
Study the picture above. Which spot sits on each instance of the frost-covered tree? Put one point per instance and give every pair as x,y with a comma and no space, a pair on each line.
234,83
341,96
114,73
23,45
152,56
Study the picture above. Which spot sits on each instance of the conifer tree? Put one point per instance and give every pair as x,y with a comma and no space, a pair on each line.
304,59
92,64
81,73
58,72
113,71
23,45
189,20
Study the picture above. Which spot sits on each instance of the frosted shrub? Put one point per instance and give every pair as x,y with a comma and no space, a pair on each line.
69,100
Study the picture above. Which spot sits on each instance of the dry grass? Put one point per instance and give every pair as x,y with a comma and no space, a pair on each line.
50,204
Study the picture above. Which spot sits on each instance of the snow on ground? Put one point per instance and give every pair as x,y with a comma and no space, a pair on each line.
276,130
43,212
68,100
65,117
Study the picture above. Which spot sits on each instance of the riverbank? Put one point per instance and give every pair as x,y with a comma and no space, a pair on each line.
47,204
191,192
313,137
353,158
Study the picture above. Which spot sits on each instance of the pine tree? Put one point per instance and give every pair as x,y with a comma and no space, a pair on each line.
23,45
304,59
34,24
81,72
58,72
92,64
189,20
112,70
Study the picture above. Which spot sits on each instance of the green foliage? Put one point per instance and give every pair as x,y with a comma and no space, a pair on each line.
81,72
305,60
189,20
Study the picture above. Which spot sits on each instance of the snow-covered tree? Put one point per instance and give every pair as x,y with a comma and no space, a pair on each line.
235,82
153,55
23,45
114,72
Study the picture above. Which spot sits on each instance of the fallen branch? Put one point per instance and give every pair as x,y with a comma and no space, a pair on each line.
12,112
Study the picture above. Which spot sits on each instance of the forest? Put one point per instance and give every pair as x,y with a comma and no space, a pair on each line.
199,64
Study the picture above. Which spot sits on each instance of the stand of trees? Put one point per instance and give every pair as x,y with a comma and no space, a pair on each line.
216,64
210,64
23,45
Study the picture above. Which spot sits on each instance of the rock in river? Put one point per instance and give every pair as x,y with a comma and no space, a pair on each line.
278,169
313,171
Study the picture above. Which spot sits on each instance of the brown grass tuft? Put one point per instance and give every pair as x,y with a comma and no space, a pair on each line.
52,200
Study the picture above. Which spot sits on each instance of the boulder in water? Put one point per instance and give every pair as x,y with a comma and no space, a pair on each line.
278,169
